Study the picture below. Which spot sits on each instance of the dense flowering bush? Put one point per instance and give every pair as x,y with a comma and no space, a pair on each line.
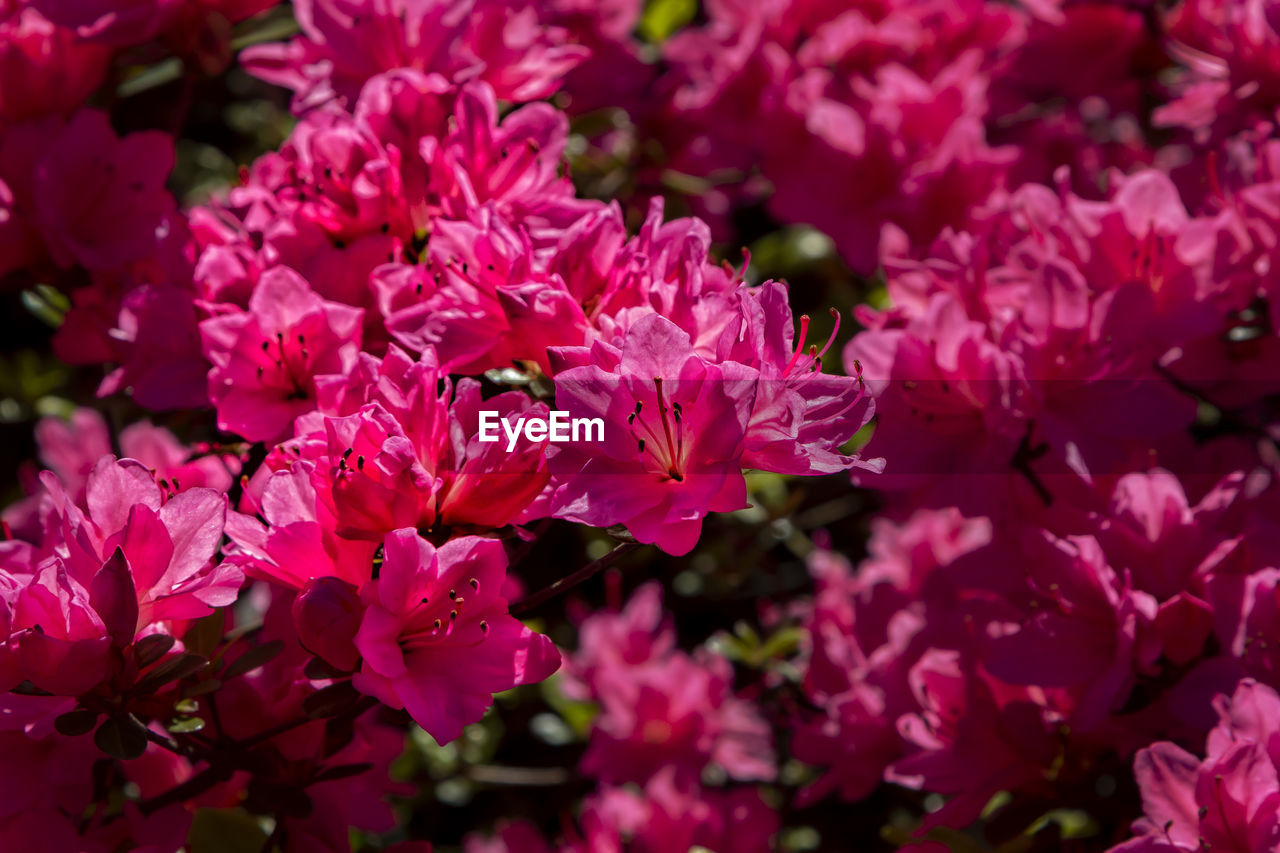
964,539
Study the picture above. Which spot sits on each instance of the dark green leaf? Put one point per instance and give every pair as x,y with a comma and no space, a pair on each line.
620,533
202,688
203,637
150,649
26,688
224,831
121,736
342,771
318,669
662,18
330,701
252,659
75,723
172,669
184,725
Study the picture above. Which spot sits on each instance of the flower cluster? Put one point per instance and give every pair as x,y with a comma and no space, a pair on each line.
245,622
998,564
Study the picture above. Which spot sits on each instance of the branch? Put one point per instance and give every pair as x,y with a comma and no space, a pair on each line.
193,787
568,582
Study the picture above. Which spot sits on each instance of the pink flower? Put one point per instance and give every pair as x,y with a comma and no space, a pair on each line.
298,543
157,344
1083,629
1229,81
661,708
327,614
71,448
611,640
343,179
436,637
274,694
1230,800
45,68
137,561
676,712
168,539
673,814
515,162
96,199
477,299
674,428
265,360
802,416
136,21
346,42
397,446
967,743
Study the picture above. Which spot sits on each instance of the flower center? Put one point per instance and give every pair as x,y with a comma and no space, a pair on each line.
665,449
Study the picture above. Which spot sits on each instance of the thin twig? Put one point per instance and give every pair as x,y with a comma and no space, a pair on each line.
193,787
168,743
568,582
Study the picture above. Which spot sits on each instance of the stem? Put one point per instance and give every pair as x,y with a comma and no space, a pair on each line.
279,729
167,743
522,551
193,787
213,713
1021,463
529,602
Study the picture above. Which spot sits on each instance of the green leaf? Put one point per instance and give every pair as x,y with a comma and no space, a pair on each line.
202,688
662,18
320,670
47,304
184,725
252,659
1073,823
342,771
26,688
122,736
577,715
225,831
150,649
75,723
780,644
172,669
164,71
203,637
330,701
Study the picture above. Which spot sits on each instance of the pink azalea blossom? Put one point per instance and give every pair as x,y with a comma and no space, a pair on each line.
265,360
802,416
131,558
674,427
94,198
436,637
135,21
1227,801
46,69
676,712
344,43
670,815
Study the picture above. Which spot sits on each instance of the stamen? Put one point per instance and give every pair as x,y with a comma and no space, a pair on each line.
835,331
804,333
